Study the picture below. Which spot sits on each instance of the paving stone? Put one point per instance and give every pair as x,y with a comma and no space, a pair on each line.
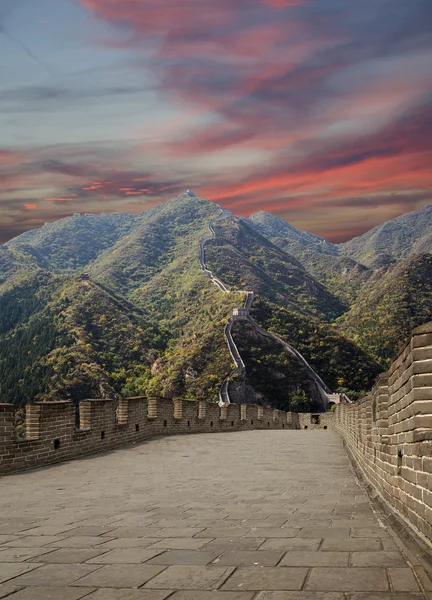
134,532
52,593
403,580
225,532
337,579
389,545
212,596
125,555
315,559
291,544
308,507
10,570
126,543
369,532
180,532
8,538
377,559
128,594
6,589
351,545
269,578
182,577
33,541
300,596
388,596
239,558
324,532
120,576
181,543
273,532
93,531
48,530
54,575
78,541
183,557
69,555
16,555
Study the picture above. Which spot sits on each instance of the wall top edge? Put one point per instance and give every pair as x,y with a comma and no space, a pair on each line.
426,328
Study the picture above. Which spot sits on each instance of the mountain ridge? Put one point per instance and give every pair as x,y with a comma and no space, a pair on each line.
145,320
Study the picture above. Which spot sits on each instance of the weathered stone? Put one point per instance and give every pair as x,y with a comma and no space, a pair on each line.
341,579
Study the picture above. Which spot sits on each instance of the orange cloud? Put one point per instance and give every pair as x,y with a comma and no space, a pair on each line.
29,206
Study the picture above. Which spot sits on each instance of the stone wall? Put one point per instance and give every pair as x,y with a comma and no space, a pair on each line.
389,433
316,420
52,435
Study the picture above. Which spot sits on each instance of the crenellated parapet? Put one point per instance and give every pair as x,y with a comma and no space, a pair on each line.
389,433
52,433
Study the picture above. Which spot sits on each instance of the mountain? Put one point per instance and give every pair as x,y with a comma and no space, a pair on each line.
400,238
117,305
394,301
341,275
289,238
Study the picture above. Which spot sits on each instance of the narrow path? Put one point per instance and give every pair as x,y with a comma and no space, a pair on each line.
286,515
235,354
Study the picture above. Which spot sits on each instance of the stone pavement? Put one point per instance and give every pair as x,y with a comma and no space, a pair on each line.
262,515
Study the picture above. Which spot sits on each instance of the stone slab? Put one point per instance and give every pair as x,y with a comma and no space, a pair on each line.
15,555
9,571
69,555
339,579
126,543
226,532
120,576
315,559
190,578
291,544
180,543
128,594
55,575
269,578
300,596
239,558
125,555
212,596
7,590
377,559
183,557
403,580
351,545
52,593
78,541
220,545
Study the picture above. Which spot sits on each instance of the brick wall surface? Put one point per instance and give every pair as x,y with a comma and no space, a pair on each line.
389,432
52,435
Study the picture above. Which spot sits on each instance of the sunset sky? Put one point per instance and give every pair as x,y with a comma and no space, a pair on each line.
316,110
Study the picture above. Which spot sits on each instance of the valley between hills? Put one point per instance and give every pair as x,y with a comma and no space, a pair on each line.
117,305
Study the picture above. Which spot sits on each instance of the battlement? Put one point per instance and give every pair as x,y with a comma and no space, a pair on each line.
52,434
389,433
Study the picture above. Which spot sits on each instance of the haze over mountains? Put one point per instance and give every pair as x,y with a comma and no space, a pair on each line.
147,321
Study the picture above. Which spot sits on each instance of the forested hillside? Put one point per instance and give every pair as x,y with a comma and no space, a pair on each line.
145,320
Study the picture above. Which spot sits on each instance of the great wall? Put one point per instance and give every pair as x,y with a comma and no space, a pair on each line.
243,313
290,470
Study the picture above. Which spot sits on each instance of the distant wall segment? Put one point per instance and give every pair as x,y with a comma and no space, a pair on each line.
52,435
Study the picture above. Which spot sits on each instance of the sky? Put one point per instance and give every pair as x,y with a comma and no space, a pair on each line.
318,111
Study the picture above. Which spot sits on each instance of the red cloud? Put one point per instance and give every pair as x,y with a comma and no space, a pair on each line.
29,206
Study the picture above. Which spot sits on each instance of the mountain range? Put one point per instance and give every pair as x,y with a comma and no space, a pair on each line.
117,305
